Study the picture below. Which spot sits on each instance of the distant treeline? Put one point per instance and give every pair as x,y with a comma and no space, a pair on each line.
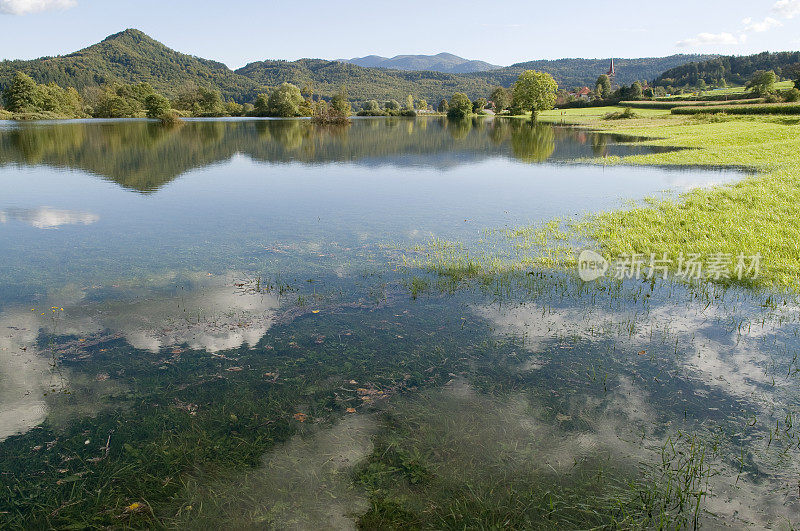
730,70
24,99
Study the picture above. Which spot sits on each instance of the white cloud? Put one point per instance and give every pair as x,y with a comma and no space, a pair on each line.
23,7
760,27
709,39
787,8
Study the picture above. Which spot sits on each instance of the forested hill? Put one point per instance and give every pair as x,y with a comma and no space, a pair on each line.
731,69
131,57
571,73
365,83
362,83
441,62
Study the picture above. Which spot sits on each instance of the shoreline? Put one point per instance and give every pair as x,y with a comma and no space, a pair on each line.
731,218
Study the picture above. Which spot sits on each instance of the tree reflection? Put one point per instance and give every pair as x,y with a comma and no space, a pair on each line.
532,142
143,156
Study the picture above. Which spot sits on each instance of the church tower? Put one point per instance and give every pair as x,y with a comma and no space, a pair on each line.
612,72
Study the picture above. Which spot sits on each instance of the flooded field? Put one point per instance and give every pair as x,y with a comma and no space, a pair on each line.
216,324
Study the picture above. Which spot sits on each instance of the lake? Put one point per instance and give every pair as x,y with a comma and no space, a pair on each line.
220,324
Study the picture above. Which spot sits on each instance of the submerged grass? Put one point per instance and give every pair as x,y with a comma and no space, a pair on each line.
457,459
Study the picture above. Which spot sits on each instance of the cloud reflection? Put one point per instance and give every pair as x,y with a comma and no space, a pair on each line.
211,316
47,218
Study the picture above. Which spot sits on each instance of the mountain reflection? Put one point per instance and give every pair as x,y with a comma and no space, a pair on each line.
144,156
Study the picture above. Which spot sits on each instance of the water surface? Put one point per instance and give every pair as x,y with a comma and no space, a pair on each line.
192,311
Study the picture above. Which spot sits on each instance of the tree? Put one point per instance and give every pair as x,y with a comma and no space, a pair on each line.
460,106
372,106
443,106
234,109
422,105
284,101
762,82
535,91
797,81
211,103
478,105
22,95
200,101
340,106
392,105
501,98
603,86
409,102
156,105
261,105
636,92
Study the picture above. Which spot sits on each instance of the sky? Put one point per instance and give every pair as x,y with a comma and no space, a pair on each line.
237,32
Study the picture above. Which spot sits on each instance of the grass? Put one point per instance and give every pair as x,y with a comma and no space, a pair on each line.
756,215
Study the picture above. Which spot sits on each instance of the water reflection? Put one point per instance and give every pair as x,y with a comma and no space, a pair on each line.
47,217
204,313
146,156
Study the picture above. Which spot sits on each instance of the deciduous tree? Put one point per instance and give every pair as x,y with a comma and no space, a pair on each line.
478,105
501,98
535,91
284,101
460,106
156,105
762,82
603,87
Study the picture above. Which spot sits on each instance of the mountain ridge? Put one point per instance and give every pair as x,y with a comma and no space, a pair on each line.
441,62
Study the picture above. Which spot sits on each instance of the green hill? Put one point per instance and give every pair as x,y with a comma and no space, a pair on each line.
571,73
364,83
733,70
131,57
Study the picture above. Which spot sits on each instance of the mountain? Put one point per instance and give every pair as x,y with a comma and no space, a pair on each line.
736,70
442,62
131,57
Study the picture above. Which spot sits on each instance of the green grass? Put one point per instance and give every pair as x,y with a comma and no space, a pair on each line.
588,113
757,214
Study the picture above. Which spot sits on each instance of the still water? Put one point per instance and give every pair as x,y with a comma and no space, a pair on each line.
214,323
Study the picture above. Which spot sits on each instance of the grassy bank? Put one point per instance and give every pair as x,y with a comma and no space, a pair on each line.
759,214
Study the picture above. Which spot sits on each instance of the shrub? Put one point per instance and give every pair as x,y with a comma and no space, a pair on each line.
627,114
792,95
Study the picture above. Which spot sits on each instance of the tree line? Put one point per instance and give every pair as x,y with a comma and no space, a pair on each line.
27,99
729,70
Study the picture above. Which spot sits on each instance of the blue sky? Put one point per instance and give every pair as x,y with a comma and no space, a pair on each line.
240,31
